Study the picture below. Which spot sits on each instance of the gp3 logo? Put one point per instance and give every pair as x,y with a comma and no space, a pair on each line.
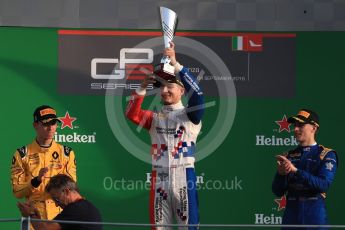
128,66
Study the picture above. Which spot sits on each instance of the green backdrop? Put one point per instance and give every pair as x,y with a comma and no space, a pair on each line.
237,175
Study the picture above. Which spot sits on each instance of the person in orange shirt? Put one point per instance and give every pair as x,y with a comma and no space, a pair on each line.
33,165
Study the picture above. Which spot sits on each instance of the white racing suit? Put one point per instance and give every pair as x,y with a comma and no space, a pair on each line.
173,132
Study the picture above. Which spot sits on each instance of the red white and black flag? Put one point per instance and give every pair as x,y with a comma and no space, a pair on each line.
247,42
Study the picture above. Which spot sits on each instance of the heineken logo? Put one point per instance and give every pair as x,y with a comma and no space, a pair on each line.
65,135
75,138
275,141
281,127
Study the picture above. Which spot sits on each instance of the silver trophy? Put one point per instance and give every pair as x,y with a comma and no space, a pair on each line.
169,22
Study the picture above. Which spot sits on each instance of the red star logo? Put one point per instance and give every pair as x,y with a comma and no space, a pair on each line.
283,124
67,121
281,202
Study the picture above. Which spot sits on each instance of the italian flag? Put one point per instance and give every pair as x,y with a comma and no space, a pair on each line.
248,42
237,43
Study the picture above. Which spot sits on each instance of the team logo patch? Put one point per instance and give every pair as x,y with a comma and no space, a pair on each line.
67,150
163,176
157,151
295,154
181,215
179,132
162,193
56,166
182,210
34,156
329,166
55,155
186,149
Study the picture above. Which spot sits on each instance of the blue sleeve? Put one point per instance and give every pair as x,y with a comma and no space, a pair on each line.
196,107
279,185
325,177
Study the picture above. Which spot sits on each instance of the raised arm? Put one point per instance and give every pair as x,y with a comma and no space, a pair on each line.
196,106
134,112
